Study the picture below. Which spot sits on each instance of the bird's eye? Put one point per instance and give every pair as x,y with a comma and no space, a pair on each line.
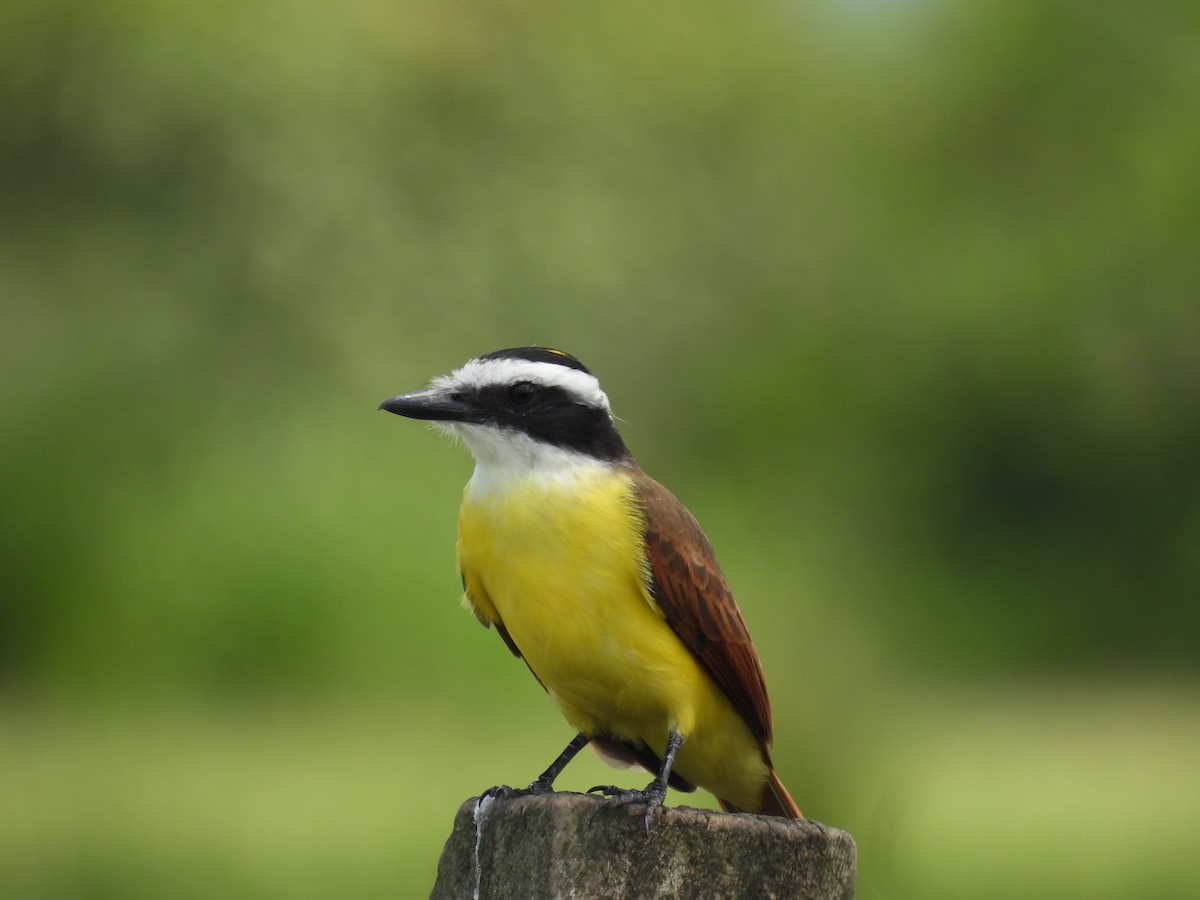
522,393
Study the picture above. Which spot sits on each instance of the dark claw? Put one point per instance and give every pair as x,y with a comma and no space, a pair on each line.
538,787
652,796
504,792
499,792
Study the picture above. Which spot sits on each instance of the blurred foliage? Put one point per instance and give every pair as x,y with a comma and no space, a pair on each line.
902,298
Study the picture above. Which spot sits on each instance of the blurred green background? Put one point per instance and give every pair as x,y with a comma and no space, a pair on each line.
901,298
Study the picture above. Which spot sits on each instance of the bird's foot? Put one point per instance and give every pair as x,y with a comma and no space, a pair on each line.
653,796
504,792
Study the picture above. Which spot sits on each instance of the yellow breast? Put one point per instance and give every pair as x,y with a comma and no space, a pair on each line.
560,562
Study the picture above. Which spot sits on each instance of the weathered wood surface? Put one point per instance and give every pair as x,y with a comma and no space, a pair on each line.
567,845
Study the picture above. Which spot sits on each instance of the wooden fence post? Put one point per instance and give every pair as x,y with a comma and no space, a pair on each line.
567,845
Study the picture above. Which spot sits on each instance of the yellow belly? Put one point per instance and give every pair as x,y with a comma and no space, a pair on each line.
560,563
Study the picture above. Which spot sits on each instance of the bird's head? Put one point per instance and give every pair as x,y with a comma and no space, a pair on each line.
527,404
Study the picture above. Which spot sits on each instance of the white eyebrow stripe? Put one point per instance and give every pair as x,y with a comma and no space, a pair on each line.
480,372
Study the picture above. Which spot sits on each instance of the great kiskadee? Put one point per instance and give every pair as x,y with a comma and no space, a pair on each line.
604,584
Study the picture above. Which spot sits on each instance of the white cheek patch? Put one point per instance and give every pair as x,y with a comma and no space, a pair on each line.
481,372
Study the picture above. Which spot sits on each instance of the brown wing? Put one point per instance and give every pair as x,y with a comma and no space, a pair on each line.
686,582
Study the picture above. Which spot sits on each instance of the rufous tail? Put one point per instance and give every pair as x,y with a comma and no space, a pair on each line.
776,801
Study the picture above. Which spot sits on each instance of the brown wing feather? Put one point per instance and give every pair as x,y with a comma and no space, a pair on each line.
686,582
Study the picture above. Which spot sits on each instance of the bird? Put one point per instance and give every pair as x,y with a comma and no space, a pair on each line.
603,583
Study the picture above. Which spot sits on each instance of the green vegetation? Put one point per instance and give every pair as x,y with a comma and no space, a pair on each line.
903,299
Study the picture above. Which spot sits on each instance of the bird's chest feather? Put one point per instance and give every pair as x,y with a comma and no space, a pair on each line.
561,564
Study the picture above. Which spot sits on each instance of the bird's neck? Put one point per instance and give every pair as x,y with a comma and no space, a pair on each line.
499,470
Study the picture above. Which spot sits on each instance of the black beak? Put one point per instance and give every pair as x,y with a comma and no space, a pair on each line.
431,403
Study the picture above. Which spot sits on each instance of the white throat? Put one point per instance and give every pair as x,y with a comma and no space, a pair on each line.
504,459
